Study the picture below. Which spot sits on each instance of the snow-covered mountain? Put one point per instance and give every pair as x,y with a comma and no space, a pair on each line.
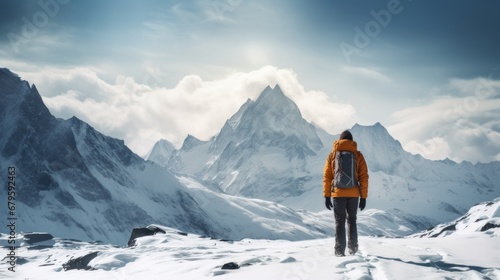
78,183
250,180
483,217
75,182
161,152
266,150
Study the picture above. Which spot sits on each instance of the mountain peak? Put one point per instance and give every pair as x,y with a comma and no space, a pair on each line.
274,104
7,73
191,142
270,94
161,152
376,125
14,86
376,128
26,110
379,147
273,120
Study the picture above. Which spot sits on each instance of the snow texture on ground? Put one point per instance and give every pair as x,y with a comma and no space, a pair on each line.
176,256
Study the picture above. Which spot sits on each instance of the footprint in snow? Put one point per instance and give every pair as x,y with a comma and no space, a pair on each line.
356,267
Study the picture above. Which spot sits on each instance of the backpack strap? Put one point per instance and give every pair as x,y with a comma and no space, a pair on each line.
356,154
332,164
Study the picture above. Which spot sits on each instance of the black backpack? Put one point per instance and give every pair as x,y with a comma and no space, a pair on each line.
345,171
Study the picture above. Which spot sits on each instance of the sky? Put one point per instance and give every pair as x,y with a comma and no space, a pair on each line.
429,71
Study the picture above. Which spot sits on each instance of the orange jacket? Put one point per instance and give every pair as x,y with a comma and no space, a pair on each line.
361,168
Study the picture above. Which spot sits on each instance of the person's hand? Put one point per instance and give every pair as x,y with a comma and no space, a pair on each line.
362,203
328,203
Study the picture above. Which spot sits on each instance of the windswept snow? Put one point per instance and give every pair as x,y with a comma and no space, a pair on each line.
175,256
469,254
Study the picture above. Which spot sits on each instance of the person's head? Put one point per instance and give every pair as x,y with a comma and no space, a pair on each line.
346,135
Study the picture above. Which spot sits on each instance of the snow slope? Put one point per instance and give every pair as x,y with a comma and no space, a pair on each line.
465,255
480,218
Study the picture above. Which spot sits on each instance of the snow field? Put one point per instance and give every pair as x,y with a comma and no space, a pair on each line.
174,256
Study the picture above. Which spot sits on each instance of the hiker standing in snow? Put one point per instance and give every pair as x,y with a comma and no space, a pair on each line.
345,178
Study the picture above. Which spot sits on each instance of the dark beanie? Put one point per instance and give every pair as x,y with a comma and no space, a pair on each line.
346,135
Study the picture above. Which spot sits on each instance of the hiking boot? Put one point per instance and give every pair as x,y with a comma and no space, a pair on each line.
353,250
339,254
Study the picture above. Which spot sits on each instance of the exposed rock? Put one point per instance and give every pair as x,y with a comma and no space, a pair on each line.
230,265
489,225
80,262
32,238
448,228
140,232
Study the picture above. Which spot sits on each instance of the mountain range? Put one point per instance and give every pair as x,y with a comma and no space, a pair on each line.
75,182
267,150
259,177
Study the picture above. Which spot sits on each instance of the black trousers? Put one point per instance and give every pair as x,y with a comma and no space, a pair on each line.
345,209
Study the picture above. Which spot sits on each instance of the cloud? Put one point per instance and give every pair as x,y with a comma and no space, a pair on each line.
141,115
434,148
366,73
479,88
220,10
462,126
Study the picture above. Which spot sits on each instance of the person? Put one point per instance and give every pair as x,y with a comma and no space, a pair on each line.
345,200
